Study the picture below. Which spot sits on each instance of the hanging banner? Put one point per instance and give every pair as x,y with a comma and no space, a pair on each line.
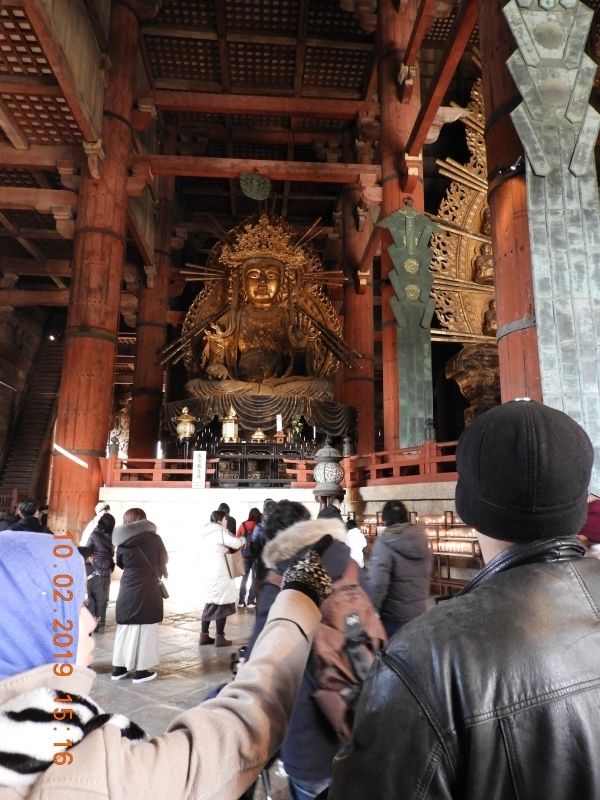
199,469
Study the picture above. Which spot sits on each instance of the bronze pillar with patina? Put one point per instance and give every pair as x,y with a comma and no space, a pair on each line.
517,337
86,391
397,118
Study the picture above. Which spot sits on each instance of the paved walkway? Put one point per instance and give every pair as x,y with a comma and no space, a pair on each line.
187,672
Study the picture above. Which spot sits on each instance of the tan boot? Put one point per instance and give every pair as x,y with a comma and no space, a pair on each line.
222,641
206,639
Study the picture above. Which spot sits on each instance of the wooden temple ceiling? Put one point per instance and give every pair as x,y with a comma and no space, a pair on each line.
280,86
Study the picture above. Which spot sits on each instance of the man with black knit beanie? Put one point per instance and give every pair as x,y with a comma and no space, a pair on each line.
496,692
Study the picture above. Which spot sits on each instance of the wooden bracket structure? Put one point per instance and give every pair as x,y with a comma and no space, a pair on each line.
64,219
140,178
145,115
95,155
363,272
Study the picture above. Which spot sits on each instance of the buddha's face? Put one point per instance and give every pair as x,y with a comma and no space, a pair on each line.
262,280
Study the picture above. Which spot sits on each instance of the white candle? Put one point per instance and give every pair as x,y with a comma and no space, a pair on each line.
279,423
314,433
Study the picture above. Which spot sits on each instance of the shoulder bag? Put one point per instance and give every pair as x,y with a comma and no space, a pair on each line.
233,561
161,583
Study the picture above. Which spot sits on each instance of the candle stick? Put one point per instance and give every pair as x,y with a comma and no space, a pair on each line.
279,420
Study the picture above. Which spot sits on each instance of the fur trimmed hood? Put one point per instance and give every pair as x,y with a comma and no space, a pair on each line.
299,536
124,532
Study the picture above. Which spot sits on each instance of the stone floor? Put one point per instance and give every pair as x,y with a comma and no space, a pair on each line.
186,674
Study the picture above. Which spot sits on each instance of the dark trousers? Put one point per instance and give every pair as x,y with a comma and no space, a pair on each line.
249,567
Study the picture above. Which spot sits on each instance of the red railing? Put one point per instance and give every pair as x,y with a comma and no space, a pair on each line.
171,472
429,462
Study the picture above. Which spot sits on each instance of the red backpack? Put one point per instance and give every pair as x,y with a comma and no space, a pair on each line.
347,640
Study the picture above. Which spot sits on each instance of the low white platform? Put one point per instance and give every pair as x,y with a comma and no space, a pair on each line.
180,513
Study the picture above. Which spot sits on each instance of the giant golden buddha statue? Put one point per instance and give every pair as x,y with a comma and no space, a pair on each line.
263,324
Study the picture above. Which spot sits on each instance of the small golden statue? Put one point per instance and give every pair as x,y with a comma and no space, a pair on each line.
263,324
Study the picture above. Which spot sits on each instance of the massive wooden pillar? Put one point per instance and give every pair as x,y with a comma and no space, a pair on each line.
397,119
148,376
358,387
517,337
85,399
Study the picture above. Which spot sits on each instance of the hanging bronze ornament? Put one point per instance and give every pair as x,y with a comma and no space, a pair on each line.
255,186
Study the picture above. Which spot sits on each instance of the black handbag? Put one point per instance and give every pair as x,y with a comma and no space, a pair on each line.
161,584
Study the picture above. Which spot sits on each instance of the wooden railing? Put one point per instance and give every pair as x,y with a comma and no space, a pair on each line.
171,472
429,462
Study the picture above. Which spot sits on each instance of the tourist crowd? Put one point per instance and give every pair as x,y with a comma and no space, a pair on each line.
352,675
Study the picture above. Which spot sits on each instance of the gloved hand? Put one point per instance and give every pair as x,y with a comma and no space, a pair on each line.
306,573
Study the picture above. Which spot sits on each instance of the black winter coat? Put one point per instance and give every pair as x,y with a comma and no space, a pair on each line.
494,694
28,524
139,601
399,572
102,550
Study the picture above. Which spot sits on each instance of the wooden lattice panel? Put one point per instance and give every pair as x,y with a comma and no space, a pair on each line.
216,149
247,121
320,125
30,219
327,19
17,177
262,64
331,68
188,13
280,16
440,30
43,120
268,152
183,59
20,50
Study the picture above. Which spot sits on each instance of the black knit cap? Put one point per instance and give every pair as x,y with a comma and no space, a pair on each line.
523,473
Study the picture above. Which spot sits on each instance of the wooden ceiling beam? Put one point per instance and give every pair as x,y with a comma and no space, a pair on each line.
247,104
221,19
41,200
51,298
221,133
458,39
29,87
44,24
38,157
12,129
59,268
301,46
301,171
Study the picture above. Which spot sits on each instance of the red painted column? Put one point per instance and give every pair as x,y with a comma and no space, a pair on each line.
397,119
517,348
85,398
358,385
148,377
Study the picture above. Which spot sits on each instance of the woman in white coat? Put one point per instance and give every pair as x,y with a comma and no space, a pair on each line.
221,592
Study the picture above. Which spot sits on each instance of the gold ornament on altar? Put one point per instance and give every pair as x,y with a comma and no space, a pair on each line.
186,427
259,435
229,429
263,324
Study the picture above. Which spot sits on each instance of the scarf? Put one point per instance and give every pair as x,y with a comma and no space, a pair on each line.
29,730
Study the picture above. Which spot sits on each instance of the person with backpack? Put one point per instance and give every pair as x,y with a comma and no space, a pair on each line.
350,632
249,554
399,573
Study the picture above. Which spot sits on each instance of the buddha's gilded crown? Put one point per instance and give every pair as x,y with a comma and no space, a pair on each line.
263,239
